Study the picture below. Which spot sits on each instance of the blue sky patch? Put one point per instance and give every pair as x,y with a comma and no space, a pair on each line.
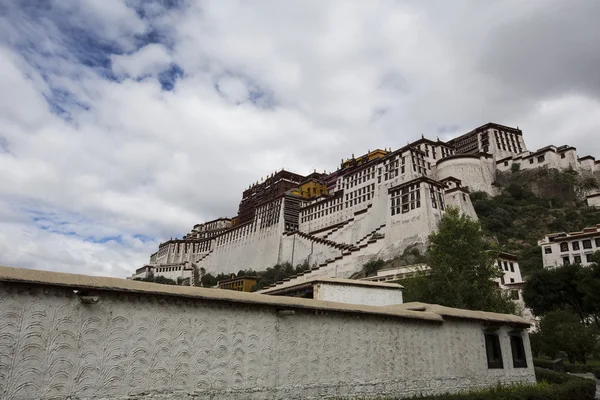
168,77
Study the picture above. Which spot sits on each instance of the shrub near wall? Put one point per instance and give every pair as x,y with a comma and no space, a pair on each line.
572,368
551,386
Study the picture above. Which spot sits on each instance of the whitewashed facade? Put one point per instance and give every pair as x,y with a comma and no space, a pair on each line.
376,207
570,248
349,291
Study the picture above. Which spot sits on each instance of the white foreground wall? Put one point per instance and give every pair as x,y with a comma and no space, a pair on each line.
166,342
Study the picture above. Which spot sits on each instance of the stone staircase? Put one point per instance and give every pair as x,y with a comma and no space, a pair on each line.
338,227
327,268
326,242
375,231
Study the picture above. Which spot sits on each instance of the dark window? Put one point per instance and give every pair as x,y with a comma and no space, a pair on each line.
587,244
566,261
541,159
531,161
493,350
512,267
562,155
564,246
575,245
548,250
505,162
588,257
577,259
597,242
518,350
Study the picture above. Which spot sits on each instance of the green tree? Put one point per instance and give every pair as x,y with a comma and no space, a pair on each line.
208,280
561,330
165,281
547,290
462,267
570,287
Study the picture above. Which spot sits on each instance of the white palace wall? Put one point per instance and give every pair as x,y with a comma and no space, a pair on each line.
248,246
411,228
477,173
143,339
461,199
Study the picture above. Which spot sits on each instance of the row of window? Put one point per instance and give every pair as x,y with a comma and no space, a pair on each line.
493,350
169,269
505,265
269,216
359,199
577,259
504,140
323,213
238,233
406,198
437,196
325,208
564,246
444,150
360,177
466,142
356,193
235,285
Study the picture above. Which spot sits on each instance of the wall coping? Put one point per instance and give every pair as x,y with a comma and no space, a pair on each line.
79,282
420,312
449,312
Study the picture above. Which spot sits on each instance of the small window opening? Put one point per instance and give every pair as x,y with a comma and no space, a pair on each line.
518,350
493,350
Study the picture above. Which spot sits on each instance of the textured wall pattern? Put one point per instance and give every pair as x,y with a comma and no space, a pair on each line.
139,346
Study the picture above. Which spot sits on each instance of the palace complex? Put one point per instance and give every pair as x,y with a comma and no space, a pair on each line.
374,206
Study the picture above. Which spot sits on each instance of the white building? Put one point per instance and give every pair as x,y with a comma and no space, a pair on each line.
499,140
593,200
506,262
570,248
511,280
349,291
373,206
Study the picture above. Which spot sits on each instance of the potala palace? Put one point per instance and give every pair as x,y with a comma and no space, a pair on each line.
374,206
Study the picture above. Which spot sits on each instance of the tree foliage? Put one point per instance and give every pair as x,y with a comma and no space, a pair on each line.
278,273
462,268
570,287
157,279
518,217
561,330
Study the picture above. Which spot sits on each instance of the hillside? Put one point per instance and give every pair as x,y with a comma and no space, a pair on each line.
532,204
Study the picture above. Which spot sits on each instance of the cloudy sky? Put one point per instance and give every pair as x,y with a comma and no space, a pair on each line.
123,123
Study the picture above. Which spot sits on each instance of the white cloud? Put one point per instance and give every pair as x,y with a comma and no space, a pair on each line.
264,86
149,60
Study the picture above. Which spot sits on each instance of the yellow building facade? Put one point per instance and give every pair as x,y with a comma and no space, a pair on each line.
240,284
311,188
371,155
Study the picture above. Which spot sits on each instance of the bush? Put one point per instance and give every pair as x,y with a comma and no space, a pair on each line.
571,368
551,386
542,363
